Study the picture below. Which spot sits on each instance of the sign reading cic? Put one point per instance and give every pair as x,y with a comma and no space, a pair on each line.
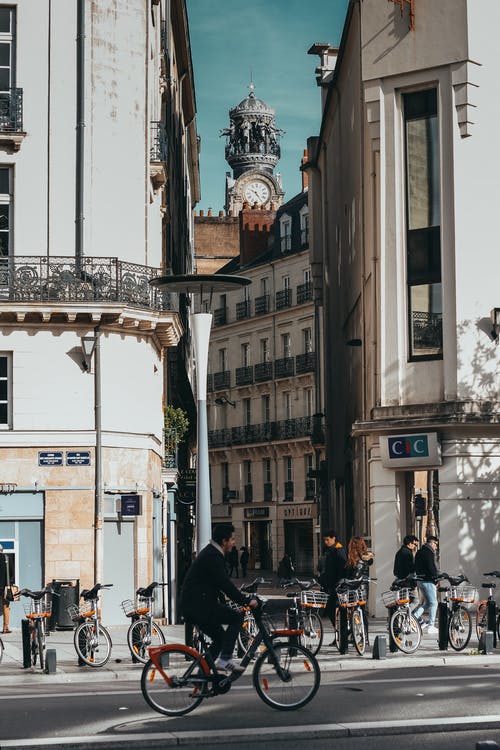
407,451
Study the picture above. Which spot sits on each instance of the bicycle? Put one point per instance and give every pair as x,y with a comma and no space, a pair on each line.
350,622
177,678
304,613
91,640
37,613
487,613
249,629
454,620
405,632
143,631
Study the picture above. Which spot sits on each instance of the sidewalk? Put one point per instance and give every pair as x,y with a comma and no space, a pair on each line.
120,666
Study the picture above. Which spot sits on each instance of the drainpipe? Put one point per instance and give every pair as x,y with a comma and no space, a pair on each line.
98,521
80,128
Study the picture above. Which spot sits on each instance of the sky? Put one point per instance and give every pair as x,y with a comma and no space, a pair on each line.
235,41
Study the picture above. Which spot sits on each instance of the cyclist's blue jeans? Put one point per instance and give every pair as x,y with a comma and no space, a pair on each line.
428,591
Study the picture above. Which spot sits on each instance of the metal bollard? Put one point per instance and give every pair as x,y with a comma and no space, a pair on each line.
379,647
486,642
50,661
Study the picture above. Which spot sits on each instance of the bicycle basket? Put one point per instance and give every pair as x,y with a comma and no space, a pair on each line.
464,594
394,598
40,608
313,599
351,597
76,612
128,607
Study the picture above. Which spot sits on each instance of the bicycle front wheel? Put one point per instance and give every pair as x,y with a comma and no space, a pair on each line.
286,676
482,618
358,630
92,644
405,631
312,632
459,628
247,633
140,636
181,689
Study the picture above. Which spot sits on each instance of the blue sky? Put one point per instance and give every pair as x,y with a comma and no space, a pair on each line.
268,39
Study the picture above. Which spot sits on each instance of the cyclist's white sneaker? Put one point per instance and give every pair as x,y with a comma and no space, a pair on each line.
228,665
432,630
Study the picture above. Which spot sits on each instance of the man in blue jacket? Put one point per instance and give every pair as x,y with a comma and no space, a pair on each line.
200,603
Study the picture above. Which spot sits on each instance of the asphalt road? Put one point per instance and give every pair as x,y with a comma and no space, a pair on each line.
407,700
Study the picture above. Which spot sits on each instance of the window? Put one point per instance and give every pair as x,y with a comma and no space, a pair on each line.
5,390
308,402
247,413
222,360
245,355
247,468
267,471
264,350
263,287
224,480
5,210
287,404
285,345
285,233
307,340
307,276
266,408
423,224
288,461
285,282
304,225
7,30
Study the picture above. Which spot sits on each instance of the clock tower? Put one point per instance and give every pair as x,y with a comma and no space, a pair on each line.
252,151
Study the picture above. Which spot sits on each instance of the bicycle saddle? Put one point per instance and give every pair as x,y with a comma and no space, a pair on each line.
495,573
490,585
147,592
89,594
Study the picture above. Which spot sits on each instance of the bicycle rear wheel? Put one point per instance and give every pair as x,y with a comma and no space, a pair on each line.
405,631
92,646
141,636
286,676
358,630
181,690
312,632
459,628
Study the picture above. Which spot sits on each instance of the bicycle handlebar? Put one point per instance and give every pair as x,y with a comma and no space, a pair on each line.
37,594
453,580
495,573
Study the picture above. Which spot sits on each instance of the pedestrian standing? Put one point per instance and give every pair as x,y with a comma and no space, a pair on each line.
244,561
404,560
334,562
426,567
233,562
5,580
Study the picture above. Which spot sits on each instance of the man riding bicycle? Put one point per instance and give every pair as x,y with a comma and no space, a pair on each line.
200,597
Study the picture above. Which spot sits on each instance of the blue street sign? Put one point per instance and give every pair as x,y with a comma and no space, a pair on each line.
131,505
50,458
77,458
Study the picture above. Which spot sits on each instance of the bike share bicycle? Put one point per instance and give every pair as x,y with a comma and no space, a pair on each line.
488,613
304,614
405,633
91,639
350,618
143,631
38,612
177,678
454,619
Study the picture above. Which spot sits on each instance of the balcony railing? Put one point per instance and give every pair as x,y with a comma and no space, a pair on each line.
283,298
243,309
427,329
219,438
284,368
170,448
262,305
158,149
220,316
304,292
297,427
222,380
310,489
288,492
248,493
11,111
304,363
88,279
268,492
286,429
263,371
244,375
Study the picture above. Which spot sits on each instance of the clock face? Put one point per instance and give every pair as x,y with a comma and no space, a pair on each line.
257,192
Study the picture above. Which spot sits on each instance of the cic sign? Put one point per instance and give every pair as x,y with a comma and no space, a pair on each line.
408,451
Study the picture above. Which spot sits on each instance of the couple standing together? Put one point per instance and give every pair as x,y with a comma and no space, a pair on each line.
409,559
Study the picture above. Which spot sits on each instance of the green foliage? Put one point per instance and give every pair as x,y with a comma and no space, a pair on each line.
175,419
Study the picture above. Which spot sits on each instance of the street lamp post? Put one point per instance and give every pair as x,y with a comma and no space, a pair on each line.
204,286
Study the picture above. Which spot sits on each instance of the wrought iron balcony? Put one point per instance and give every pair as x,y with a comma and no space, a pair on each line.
288,429
170,448
283,298
284,368
268,492
11,111
262,305
427,329
222,380
248,491
220,316
288,492
243,309
159,146
61,279
219,438
304,363
310,489
244,375
304,292
263,371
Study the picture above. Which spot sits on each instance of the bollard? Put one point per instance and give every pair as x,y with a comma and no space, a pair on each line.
443,619
25,634
379,647
486,642
50,661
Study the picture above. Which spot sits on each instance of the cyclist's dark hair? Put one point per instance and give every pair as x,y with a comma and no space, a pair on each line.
222,531
331,533
409,538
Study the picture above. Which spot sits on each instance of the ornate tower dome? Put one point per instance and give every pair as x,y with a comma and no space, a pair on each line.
252,137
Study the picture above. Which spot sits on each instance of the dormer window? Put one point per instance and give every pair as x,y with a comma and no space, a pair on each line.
285,233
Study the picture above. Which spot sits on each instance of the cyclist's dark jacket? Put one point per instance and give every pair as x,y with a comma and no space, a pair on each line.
404,562
206,577
335,560
425,563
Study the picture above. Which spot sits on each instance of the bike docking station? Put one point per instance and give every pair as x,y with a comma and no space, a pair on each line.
379,647
486,642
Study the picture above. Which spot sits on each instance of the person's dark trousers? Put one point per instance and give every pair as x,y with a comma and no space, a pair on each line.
222,640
